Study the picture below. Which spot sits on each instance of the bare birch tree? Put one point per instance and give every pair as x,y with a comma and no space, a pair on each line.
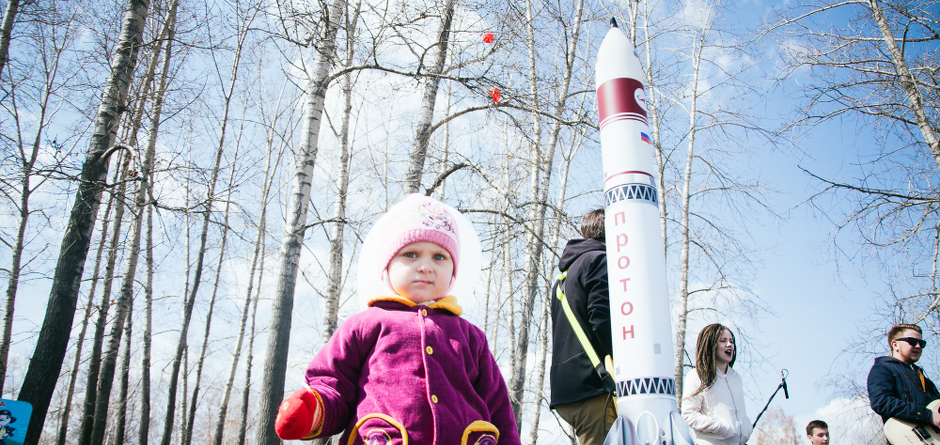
335,286
712,240
877,66
26,178
541,174
46,362
126,295
296,226
125,378
6,30
429,98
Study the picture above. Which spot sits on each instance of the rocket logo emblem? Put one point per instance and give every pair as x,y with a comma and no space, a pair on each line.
619,99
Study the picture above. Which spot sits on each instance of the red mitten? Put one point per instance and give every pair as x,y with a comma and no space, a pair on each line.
298,415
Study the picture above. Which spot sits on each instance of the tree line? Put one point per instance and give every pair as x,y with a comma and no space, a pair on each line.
219,164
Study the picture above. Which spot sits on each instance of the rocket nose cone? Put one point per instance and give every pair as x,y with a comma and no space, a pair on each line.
615,58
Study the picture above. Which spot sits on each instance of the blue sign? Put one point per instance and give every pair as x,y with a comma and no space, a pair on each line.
14,418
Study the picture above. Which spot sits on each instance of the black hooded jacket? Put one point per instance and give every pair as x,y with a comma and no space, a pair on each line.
573,378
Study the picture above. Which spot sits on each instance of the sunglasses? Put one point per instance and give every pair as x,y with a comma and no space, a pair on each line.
913,341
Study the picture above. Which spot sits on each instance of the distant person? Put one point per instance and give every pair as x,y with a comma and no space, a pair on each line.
817,432
713,394
896,386
578,393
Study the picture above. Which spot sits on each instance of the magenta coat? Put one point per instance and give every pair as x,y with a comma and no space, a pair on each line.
401,367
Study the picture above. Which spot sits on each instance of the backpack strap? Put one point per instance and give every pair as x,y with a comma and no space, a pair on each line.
599,367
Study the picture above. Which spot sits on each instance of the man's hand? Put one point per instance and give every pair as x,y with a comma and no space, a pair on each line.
298,415
935,419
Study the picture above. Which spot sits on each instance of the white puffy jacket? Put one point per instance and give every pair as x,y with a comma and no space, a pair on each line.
716,415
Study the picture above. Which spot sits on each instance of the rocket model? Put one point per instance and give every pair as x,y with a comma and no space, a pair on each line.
636,260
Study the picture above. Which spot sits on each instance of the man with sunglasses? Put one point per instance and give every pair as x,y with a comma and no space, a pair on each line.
896,386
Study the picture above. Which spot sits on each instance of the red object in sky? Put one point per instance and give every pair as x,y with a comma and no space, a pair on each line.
488,37
494,92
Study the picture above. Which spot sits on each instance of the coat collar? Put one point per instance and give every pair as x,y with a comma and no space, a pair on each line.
448,303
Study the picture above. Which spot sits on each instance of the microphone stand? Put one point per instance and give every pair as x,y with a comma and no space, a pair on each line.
783,384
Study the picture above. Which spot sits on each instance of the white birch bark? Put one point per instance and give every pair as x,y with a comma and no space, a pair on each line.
541,178
914,96
428,100
296,226
46,363
6,31
271,162
698,43
335,281
124,301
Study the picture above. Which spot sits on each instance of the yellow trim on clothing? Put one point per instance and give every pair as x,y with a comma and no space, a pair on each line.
317,427
479,426
448,303
393,422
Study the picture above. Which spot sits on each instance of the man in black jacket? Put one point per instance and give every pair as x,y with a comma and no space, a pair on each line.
896,386
578,394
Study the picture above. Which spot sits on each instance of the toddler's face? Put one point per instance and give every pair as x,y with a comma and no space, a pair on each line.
421,271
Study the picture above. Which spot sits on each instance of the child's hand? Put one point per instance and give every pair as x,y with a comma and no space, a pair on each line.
298,415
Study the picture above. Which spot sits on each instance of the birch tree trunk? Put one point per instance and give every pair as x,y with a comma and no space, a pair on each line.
46,362
125,376
428,99
270,166
73,377
27,154
698,43
126,295
144,432
547,308
914,97
517,381
246,392
279,334
94,362
197,278
6,31
541,178
335,284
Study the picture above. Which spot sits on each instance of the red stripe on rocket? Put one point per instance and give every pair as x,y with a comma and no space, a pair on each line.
636,265
615,100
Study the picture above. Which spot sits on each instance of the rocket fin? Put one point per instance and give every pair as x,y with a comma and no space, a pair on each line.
680,430
647,429
621,433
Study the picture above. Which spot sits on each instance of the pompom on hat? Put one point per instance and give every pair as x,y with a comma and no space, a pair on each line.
419,218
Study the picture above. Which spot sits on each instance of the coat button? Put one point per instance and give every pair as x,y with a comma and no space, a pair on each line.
424,312
433,398
430,350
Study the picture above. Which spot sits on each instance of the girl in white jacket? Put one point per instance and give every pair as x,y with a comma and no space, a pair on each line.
713,394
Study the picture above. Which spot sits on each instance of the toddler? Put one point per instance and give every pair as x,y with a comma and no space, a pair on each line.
408,369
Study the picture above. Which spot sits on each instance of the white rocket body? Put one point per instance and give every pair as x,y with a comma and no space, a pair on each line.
636,261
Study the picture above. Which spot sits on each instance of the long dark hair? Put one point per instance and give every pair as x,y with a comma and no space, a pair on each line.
705,348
